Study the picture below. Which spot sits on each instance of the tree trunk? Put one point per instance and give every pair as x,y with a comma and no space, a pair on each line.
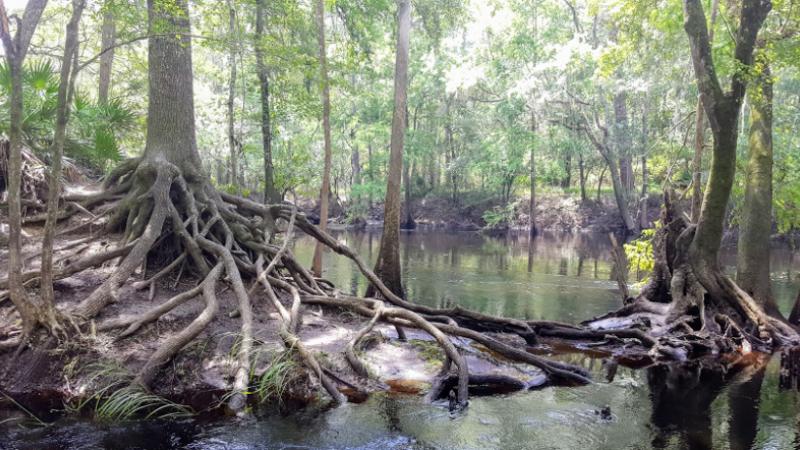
232,142
65,88
409,223
600,182
355,166
107,39
271,194
324,194
644,222
370,173
722,109
582,175
388,265
170,111
753,258
623,145
566,182
16,47
532,205
620,197
699,135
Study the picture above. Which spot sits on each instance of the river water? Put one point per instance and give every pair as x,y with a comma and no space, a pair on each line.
558,277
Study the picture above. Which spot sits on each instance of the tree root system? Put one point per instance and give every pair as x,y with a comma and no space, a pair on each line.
173,222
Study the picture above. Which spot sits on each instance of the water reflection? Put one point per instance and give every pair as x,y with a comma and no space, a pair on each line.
554,276
682,397
511,275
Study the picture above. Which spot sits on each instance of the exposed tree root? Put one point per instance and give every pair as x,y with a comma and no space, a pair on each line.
174,344
173,220
688,309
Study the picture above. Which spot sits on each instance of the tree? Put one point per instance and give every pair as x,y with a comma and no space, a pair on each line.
753,252
325,190
271,194
388,264
722,109
107,41
699,134
65,89
601,139
16,48
233,143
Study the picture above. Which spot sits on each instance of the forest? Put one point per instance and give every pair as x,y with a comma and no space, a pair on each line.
438,223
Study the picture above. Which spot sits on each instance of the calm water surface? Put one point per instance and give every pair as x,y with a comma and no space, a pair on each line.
560,277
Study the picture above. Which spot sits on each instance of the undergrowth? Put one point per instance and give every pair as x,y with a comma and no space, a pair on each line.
116,399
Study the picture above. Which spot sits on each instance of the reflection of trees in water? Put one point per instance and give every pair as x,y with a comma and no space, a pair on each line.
744,400
682,394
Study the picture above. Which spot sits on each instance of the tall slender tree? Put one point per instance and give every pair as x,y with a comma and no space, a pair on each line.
700,133
65,89
753,255
108,36
233,143
388,264
722,109
271,194
325,190
16,48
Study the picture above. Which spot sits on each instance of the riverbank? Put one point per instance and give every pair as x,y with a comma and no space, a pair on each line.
555,212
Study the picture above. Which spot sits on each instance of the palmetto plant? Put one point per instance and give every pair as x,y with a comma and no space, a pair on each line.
39,90
95,128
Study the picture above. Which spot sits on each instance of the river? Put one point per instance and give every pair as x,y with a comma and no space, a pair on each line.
558,277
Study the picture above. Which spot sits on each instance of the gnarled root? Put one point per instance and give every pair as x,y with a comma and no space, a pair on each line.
689,308
174,344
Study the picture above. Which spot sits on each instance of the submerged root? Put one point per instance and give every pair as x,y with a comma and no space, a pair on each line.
689,309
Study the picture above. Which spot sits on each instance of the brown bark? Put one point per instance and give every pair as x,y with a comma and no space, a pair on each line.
47,312
622,143
409,223
170,111
388,265
324,193
232,142
699,134
532,204
16,47
271,194
108,33
753,257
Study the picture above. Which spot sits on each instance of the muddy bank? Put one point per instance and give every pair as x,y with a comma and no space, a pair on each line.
554,212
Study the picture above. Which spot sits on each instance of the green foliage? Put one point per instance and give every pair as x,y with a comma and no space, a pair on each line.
94,130
115,399
640,253
39,92
275,378
499,216
429,351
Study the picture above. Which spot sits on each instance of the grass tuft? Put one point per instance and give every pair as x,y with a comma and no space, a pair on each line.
116,399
